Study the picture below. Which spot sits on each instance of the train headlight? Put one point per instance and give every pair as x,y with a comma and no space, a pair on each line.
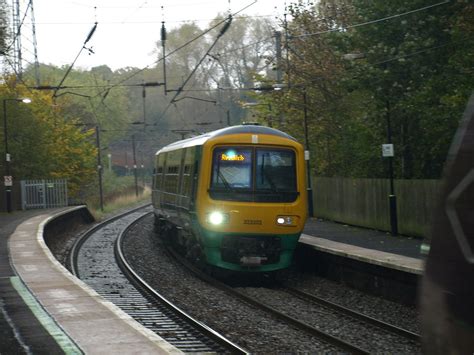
217,218
286,220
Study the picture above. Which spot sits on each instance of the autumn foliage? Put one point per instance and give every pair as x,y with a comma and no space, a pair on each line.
42,144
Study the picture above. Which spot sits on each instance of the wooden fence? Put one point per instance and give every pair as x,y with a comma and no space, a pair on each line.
364,202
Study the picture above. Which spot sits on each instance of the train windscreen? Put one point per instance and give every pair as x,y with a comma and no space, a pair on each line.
253,174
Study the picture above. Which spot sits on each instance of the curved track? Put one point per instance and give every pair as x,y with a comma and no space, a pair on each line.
335,343
356,334
94,261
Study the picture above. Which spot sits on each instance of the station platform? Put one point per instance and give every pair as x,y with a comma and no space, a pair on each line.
44,309
366,245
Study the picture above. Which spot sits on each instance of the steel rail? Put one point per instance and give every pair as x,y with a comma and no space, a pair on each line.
77,245
140,305
135,278
339,343
354,314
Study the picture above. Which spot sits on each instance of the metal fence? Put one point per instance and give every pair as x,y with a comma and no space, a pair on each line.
43,193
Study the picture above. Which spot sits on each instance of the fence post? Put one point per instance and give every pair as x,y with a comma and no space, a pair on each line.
44,193
22,195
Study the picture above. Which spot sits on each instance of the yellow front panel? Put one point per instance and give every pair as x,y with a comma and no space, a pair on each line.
252,217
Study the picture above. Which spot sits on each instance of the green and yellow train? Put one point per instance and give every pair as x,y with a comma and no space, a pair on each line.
234,198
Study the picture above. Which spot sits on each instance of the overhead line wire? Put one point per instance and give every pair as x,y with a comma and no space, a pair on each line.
266,39
145,22
184,45
180,89
221,33
373,21
336,30
166,56
262,89
89,36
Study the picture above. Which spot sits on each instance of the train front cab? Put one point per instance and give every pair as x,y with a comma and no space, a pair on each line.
251,202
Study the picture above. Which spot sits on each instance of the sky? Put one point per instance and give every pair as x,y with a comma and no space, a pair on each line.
126,30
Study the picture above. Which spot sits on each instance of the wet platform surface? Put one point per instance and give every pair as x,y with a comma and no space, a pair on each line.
59,313
21,332
366,245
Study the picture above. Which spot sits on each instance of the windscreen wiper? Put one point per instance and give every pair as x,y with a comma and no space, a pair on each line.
226,183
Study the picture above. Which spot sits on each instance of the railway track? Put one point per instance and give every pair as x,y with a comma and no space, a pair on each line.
357,334
353,314
337,344
97,259
345,324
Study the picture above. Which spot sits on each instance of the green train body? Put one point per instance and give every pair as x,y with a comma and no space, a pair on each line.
236,197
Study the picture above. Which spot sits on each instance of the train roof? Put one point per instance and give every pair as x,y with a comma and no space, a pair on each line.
241,129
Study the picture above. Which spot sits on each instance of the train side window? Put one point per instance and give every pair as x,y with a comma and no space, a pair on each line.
171,180
160,163
188,172
195,173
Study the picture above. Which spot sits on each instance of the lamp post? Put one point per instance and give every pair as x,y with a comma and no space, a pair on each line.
135,166
8,180
99,160
309,189
307,150
387,152
99,167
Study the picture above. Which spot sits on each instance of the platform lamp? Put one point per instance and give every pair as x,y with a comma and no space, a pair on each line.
8,180
387,152
307,148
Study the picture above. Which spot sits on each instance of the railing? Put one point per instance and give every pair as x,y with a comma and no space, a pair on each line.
43,193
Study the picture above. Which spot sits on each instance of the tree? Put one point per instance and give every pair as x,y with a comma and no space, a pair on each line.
314,78
42,144
415,72
236,56
3,28
414,79
244,51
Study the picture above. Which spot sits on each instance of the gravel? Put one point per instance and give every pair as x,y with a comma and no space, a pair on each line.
371,339
250,328
403,316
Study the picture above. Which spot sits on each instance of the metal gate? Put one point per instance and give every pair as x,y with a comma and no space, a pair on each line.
43,193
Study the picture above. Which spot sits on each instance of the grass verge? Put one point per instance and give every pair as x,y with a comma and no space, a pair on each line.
121,203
